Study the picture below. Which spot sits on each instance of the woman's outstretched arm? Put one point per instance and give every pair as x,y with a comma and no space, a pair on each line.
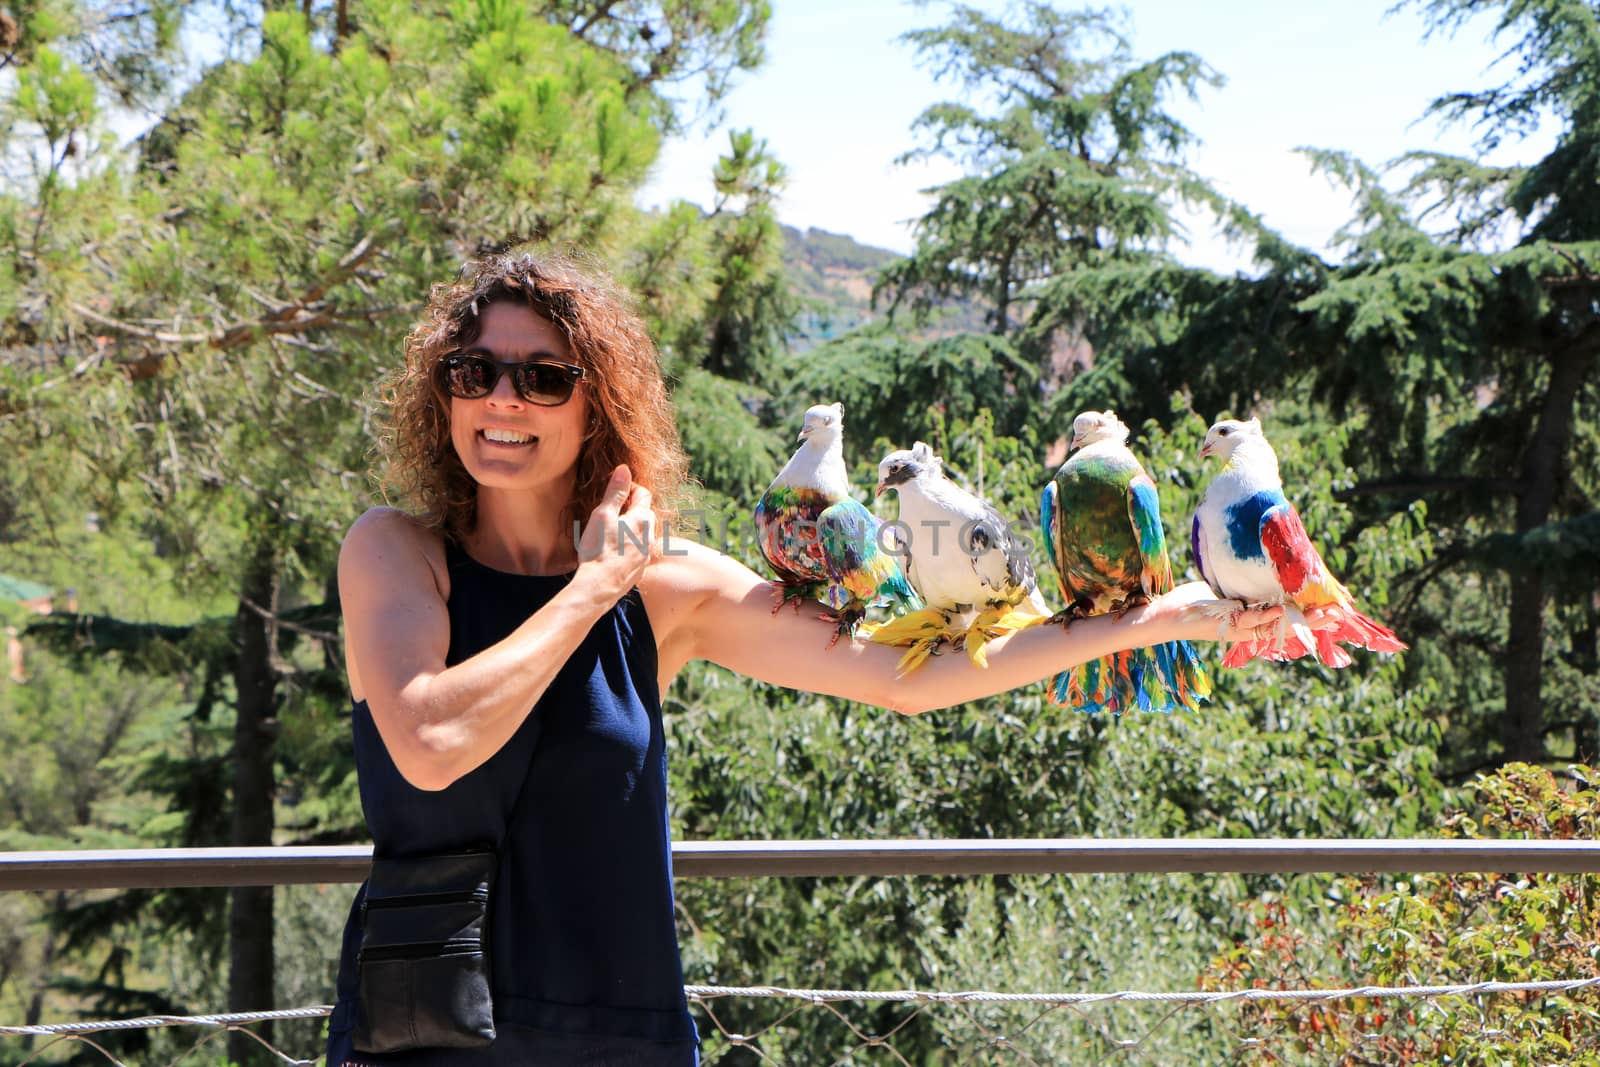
715,608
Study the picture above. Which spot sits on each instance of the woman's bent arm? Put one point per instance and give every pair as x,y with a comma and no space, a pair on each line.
439,722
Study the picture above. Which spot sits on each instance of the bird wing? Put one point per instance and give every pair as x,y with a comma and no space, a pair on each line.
999,557
785,520
1300,570
1198,548
1144,510
854,558
1305,578
1047,526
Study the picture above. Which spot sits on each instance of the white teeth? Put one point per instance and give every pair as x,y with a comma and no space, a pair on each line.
508,437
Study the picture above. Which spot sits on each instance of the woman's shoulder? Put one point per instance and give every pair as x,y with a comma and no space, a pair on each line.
385,543
392,522
385,527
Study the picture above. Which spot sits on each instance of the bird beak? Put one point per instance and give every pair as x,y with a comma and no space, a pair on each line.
1077,440
1205,449
805,433
881,487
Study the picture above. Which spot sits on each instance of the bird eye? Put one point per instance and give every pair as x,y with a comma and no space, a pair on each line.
1225,431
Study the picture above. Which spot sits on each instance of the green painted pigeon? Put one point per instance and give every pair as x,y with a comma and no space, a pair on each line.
1102,525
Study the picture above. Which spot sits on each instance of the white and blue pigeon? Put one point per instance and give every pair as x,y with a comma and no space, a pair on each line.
963,558
1252,549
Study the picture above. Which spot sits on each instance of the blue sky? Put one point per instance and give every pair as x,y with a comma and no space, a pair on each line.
838,94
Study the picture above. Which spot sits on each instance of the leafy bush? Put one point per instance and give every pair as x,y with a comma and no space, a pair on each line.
1453,929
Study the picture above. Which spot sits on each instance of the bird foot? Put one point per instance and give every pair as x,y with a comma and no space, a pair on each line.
918,654
1280,633
845,623
1070,614
789,593
1214,609
1293,621
1136,600
1225,611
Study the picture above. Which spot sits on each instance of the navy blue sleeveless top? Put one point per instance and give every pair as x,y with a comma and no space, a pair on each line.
583,943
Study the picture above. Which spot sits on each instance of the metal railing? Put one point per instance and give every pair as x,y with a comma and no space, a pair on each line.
295,865
981,1027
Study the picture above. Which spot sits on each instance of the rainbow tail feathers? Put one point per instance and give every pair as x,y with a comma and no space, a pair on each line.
1164,678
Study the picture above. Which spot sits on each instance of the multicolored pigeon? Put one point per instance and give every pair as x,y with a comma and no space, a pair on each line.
1252,548
820,541
962,558
1102,525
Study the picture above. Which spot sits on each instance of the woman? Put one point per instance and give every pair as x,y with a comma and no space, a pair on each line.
507,675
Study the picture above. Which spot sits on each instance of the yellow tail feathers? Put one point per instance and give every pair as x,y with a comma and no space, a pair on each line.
922,632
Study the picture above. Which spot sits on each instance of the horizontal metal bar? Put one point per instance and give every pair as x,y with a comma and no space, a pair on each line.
1127,856
169,868
287,865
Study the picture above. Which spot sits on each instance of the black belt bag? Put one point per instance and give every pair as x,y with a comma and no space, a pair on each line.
424,960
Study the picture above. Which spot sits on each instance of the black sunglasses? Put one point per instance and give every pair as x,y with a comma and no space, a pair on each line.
538,381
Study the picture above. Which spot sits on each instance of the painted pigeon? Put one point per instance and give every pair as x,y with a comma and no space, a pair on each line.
820,541
1252,548
1102,524
963,559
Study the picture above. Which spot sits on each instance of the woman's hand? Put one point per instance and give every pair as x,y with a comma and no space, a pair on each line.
1195,610
618,541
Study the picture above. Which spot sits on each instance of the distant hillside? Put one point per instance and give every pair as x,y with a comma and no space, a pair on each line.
832,274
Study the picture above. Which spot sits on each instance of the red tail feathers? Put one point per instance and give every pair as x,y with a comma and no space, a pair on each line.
1245,651
1354,628
1361,631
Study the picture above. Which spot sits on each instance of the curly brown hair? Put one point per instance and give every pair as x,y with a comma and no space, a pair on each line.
631,416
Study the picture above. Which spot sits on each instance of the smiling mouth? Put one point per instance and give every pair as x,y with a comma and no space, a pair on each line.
507,438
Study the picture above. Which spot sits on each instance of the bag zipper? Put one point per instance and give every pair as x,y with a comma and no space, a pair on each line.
412,900
422,950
